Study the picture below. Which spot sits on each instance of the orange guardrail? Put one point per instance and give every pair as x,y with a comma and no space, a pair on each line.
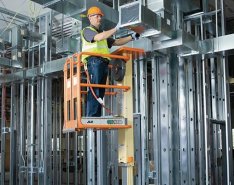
73,91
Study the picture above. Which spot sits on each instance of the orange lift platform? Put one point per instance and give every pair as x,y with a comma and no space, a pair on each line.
73,92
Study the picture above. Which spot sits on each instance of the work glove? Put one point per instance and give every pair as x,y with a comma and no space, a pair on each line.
135,36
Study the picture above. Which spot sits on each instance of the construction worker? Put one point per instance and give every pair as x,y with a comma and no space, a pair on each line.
98,41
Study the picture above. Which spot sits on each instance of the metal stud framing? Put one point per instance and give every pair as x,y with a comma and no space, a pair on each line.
182,127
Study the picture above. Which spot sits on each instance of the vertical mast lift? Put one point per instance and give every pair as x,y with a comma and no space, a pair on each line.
73,119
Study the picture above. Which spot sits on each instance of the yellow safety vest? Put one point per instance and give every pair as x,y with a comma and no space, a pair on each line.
95,47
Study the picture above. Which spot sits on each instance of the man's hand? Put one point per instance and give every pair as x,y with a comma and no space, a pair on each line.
135,36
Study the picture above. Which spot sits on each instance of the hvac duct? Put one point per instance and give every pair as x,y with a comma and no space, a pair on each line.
77,9
138,18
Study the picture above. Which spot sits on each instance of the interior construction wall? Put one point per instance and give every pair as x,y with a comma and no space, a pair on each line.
182,124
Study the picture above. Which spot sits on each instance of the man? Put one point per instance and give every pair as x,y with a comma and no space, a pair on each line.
98,41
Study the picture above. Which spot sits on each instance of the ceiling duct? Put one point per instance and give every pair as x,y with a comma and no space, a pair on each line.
185,6
77,9
138,18
159,5
67,45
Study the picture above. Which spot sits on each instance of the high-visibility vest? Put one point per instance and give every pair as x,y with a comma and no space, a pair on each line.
95,47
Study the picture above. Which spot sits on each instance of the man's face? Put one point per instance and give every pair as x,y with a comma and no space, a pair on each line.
95,20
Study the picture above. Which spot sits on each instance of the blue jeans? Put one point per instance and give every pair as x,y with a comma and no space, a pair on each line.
98,70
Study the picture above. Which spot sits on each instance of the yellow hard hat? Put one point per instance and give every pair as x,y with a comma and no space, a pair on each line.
94,10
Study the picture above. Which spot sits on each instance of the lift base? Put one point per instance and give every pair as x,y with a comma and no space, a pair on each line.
105,122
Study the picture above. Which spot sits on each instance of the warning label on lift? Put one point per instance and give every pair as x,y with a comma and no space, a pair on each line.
104,120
